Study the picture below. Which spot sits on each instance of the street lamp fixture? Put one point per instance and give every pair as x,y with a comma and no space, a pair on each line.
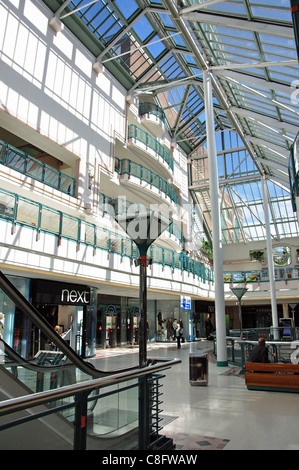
239,292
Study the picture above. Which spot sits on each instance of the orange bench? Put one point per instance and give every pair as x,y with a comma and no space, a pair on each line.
272,377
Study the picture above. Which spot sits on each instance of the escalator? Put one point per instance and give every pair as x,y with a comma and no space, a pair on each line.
110,425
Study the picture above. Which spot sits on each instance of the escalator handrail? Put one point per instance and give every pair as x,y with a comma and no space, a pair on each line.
19,403
28,364
17,297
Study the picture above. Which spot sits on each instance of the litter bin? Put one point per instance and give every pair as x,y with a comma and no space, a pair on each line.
198,369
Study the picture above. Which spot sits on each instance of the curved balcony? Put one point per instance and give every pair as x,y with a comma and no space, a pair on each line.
144,144
35,169
153,118
132,173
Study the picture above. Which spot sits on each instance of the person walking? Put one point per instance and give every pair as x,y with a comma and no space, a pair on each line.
178,335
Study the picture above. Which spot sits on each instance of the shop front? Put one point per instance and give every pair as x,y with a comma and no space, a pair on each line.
117,321
72,307
169,313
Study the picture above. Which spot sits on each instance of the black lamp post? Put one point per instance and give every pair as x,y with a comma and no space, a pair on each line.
239,292
143,226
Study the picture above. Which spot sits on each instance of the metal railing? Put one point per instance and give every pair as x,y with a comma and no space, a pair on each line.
36,169
41,218
137,134
282,347
51,402
130,168
151,109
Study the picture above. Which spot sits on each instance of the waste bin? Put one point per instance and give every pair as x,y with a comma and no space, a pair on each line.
198,369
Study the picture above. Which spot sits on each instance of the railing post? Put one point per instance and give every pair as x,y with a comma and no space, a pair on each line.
144,414
80,421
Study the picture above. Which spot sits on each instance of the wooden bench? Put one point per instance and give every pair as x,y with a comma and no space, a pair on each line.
272,377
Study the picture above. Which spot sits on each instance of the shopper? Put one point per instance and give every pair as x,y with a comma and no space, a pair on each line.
209,328
260,352
178,335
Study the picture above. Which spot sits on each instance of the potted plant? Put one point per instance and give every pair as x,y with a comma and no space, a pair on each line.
207,249
257,256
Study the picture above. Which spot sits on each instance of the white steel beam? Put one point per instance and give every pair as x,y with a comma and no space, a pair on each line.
244,25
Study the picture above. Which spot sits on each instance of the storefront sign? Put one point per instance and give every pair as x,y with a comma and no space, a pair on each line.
59,293
185,303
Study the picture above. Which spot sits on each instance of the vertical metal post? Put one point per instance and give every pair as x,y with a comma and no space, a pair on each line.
216,224
143,311
270,259
144,414
80,421
240,319
143,384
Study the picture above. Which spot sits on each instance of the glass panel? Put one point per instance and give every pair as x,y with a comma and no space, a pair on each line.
52,177
16,160
7,205
35,169
50,220
87,233
28,212
70,227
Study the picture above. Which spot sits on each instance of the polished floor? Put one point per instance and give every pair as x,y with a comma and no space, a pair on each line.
223,415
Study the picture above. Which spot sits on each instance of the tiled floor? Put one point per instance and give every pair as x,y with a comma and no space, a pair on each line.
194,442
223,414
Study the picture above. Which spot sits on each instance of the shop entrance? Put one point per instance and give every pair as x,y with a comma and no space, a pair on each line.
70,306
112,329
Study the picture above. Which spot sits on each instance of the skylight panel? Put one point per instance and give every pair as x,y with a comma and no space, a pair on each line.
128,8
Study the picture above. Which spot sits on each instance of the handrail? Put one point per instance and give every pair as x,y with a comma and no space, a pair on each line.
150,142
19,403
41,323
151,108
81,397
89,234
25,164
131,168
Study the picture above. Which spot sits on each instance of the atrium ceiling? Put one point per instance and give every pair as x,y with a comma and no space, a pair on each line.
161,48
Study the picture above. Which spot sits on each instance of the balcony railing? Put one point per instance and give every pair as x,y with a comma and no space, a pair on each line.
41,218
151,109
30,166
131,168
137,134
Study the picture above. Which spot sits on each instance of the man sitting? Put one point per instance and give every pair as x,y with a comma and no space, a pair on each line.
260,352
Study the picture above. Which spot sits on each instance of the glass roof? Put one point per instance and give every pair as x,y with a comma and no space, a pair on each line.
162,47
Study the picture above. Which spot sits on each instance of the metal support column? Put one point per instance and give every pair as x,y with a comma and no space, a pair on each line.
143,311
143,384
216,224
270,260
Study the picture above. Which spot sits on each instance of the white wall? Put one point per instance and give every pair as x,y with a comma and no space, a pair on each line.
48,84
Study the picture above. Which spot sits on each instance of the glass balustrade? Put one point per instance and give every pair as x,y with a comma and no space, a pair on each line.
139,135
34,358
41,218
34,168
151,109
130,168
